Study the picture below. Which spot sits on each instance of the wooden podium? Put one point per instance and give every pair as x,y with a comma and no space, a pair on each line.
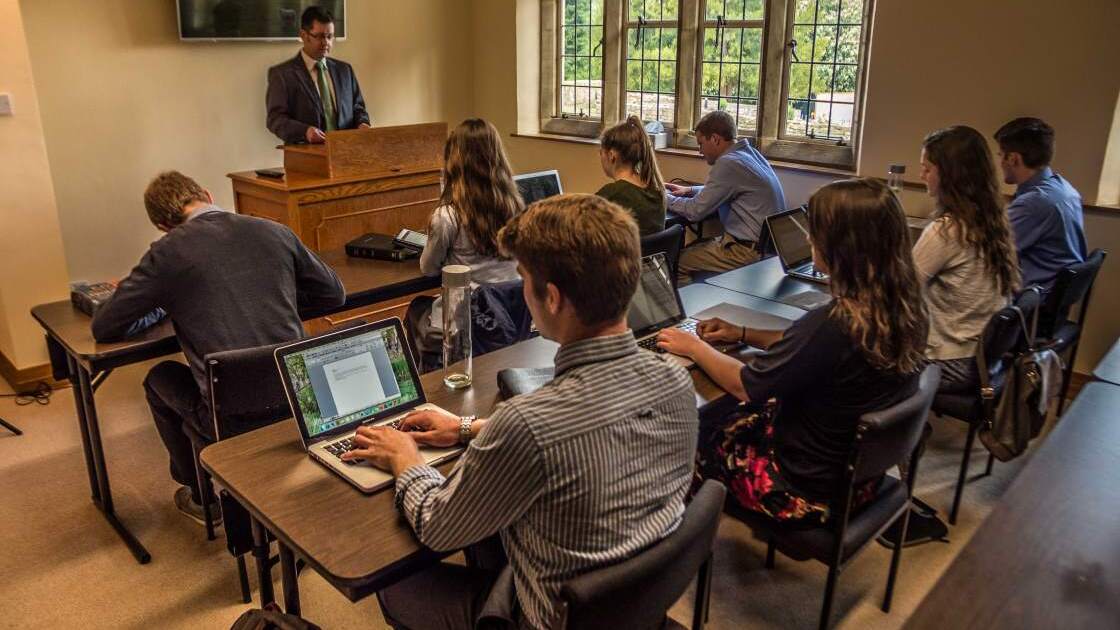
380,179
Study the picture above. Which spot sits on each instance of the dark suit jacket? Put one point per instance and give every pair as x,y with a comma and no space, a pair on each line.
227,281
293,101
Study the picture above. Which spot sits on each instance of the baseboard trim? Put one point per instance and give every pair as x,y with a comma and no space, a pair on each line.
25,380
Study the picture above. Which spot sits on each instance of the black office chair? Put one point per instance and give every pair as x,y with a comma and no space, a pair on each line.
638,592
668,242
883,440
1002,337
1073,287
246,393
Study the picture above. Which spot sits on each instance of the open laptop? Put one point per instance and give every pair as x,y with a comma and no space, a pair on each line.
342,380
539,185
790,233
657,305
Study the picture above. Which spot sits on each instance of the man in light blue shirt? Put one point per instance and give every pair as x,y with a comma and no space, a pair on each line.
1045,214
742,188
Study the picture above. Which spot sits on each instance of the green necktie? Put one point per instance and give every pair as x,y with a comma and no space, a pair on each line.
325,95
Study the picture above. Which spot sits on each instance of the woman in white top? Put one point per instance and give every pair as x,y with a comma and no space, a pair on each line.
965,258
479,197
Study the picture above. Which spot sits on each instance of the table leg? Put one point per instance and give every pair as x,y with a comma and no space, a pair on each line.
290,577
105,502
264,564
72,364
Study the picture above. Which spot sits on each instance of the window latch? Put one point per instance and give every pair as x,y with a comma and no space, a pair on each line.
792,45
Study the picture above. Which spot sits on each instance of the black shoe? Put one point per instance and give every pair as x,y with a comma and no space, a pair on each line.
924,527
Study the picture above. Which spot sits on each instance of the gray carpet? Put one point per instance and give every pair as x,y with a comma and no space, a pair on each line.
63,566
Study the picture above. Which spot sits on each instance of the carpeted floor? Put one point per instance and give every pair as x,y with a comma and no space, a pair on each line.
63,566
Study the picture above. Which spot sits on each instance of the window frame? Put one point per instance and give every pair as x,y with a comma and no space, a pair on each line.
769,136
626,27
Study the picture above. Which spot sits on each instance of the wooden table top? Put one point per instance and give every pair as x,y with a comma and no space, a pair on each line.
356,541
365,281
1108,369
70,328
765,279
1048,556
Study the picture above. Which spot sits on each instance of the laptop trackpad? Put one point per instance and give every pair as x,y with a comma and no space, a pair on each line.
743,316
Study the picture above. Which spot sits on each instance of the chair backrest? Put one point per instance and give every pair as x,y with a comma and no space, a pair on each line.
669,242
637,592
887,437
246,391
1004,334
1073,286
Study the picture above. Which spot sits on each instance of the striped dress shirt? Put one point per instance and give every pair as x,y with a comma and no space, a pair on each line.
584,472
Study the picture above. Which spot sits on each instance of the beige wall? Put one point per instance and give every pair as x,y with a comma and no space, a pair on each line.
934,64
34,267
931,64
123,98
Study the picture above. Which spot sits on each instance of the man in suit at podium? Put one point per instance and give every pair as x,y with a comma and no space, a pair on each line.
311,94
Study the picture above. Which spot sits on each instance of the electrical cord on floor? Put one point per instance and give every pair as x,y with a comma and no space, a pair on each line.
41,394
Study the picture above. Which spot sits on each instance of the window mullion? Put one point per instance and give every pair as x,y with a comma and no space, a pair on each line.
688,70
551,25
614,59
779,21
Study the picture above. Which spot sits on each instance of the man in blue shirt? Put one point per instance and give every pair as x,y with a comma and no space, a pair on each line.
1045,213
742,188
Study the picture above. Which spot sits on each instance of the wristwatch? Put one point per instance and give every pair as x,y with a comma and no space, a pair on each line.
465,428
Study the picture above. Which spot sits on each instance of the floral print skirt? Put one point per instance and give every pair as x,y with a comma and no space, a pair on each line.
741,456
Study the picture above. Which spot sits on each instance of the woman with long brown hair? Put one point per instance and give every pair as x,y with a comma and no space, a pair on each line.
860,352
626,155
479,197
966,258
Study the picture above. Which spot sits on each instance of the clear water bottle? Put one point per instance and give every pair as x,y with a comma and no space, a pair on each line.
457,326
895,176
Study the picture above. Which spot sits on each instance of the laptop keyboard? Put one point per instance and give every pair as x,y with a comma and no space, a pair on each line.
650,343
338,447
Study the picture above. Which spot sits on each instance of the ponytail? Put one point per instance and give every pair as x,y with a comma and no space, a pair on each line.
630,140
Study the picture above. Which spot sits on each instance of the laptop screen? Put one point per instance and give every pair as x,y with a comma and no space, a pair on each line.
537,186
790,231
349,378
655,304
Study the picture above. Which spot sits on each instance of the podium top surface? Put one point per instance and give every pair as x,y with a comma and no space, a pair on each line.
304,181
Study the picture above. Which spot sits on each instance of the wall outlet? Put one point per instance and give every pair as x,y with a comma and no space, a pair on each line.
5,104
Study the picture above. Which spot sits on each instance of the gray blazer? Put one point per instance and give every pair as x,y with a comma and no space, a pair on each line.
293,101
227,281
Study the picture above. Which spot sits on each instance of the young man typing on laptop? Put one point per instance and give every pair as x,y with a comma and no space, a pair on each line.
586,471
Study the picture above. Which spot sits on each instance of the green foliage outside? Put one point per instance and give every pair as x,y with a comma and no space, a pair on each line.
827,33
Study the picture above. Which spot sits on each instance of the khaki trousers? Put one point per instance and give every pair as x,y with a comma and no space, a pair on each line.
722,253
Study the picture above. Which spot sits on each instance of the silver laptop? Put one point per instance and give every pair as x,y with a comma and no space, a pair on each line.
539,185
790,233
340,381
657,305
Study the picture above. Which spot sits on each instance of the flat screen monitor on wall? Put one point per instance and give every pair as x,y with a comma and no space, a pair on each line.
269,20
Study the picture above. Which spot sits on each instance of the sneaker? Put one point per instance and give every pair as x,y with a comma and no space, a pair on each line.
189,508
